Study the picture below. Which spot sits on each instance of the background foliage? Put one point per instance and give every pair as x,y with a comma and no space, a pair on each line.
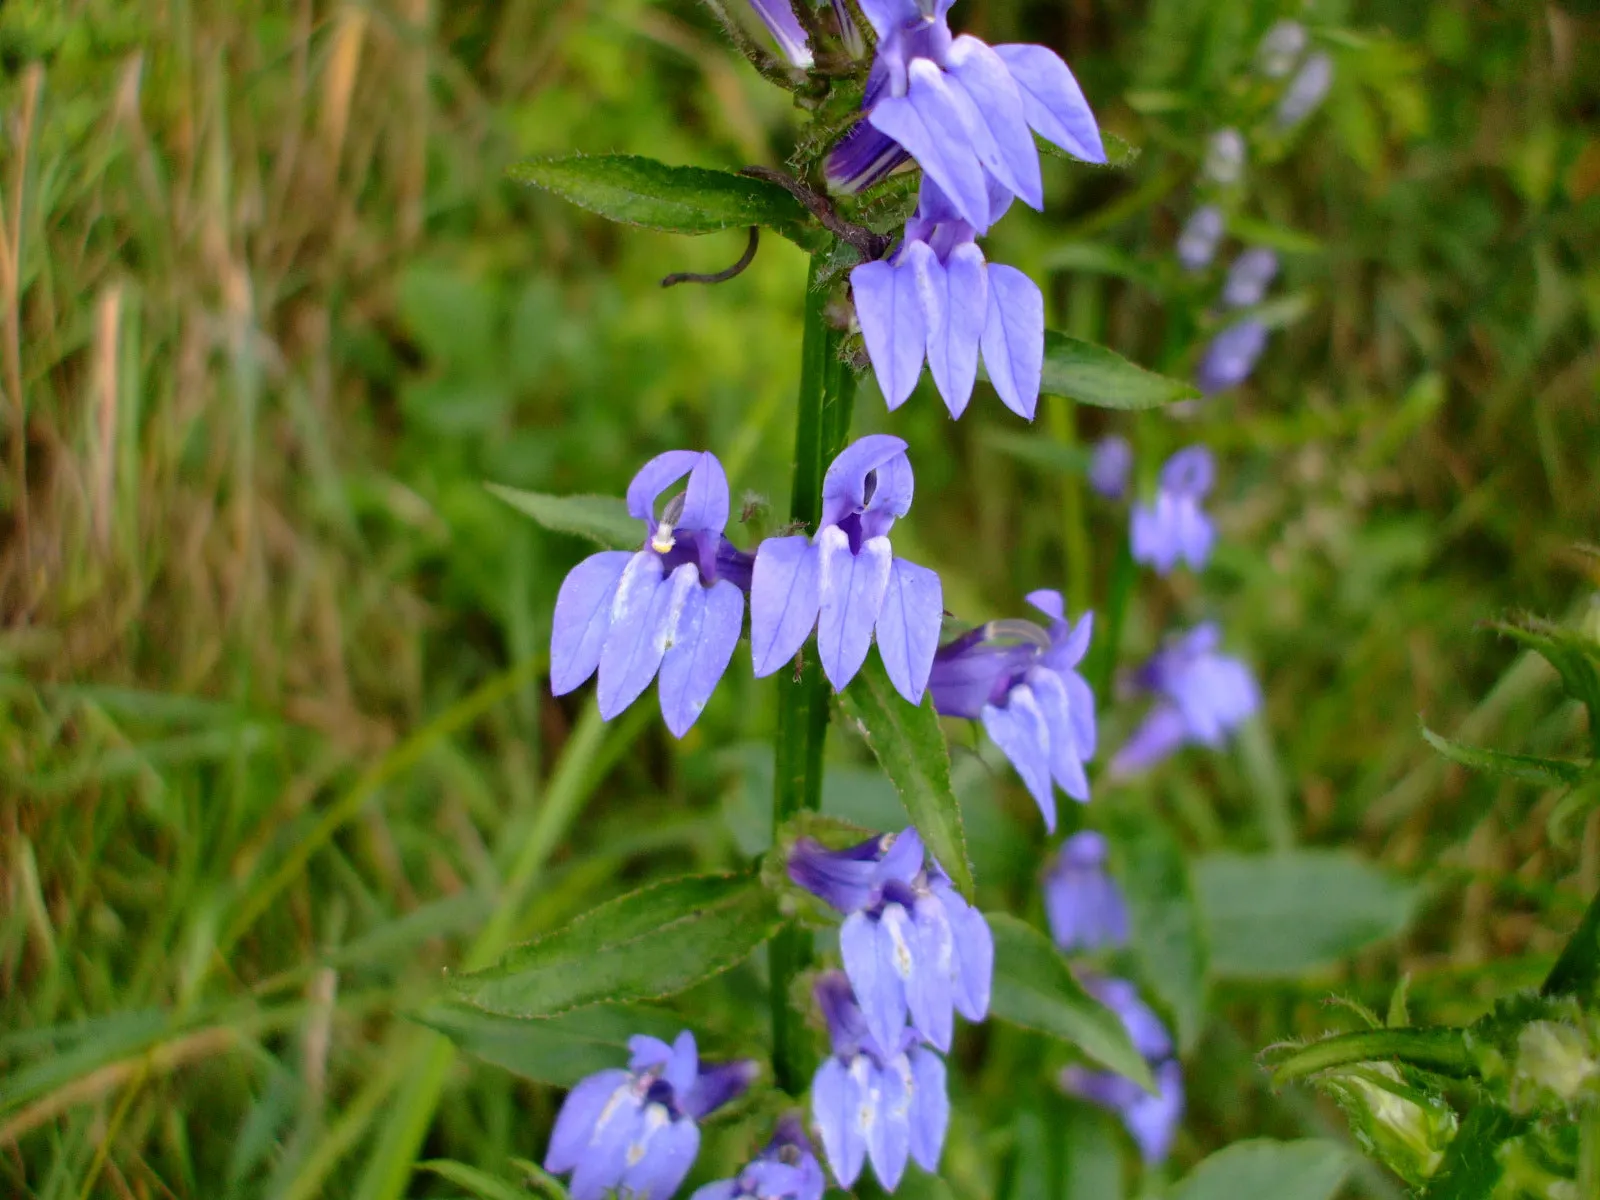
274,748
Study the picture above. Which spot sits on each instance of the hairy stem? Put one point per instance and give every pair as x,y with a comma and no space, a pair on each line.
822,422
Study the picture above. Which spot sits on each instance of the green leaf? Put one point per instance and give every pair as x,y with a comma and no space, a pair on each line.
1274,237
1575,657
1286,914
640,191
475,1179
1166,930
1311,1169
1098,258
1044,453
1543,772
1440,1049
1120,153
910,748
554,1050
602,519
1035,988
1092,374
1472,1165
642,946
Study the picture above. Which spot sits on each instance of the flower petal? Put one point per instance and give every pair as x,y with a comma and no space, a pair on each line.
722,1189
833,1109
1080,703
783,601
930,1107
869,962
1049,602
1066,762
1162,731
863,157
1019,730
1053,101
851,588
904,859
702,646
655,477
889,1133
956,328
930,995
974,952
1013,338
646,1053
844,486
641,618
602,1163
932,124
668,1152
576,1121
886,15
1153,1120
705,501
997,99
717,1085
892,327
908,626
583,618
786,30
683,1069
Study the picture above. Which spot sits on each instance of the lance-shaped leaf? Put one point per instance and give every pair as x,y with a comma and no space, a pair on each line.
642,946
1440,1049
1312,1169
1544,772
1034,988
1575,657
602,519
555,1050
641,191
910,748
1092,374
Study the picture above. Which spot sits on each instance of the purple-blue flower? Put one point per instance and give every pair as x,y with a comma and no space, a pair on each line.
778,16
1151,1119
871,1101
1201,696
1081,900
1306,90
847,582
1174,526
1231,356
1019,680
1202,232
962,109
1225,155
1110,465
1249,277
936,298
786,1170
634,1131
910,943
1281,48
674,607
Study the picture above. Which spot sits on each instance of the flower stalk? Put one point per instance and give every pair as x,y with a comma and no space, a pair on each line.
822,423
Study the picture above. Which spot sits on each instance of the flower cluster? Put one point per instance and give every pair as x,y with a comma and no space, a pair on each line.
1201,697
786,1170
915,952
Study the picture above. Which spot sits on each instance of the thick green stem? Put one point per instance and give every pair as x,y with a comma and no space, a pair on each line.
822,422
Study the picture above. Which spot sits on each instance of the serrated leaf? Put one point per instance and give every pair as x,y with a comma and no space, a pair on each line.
1286,914
648,944
1092,374
1035,988
1472,1163
1311,1169
555,1050
1575,657
652,195
910,747
601,519
1544,772
1120,153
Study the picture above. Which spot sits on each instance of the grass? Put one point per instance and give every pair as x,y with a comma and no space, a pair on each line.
274,746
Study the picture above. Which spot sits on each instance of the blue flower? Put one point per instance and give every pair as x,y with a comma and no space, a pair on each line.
1281,48
786,1170
962,109
1083,903
871,1101
634,1132
1201,697
1151,1119
847,582
1306,90
1018,679
1175,527
936,298
1231,356
675,606
910,943
1110,464
1202,232
1225,155
778,16
1249,276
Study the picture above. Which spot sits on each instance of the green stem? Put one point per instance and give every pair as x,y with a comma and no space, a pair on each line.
1443,1050
822,422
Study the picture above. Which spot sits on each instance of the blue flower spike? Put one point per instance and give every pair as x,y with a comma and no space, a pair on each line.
1082,902
1151,1119
1174,528
883,1102
962,109
1020,680
912,946
1110,467
673,608
846,582
935,298
634,1131
1201,697
786,1170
